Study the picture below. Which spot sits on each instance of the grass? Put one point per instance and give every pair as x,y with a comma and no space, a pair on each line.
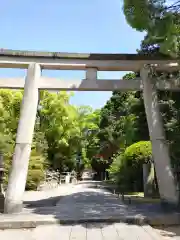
139,197
138,194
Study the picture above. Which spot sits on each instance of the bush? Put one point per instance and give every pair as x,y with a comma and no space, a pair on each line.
115,168
138,153
126,169
36,171
134,157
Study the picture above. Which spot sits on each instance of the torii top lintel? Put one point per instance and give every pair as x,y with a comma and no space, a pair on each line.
81,61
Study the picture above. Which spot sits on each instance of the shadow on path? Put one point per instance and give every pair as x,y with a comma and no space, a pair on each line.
92,205
47,202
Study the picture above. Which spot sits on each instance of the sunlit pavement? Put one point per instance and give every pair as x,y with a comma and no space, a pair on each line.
116,231
86,202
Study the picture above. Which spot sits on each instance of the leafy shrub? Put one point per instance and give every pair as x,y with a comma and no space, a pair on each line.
36,171
138,153
115,168
126,169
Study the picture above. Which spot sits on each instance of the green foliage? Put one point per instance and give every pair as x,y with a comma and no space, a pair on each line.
138,153
161,22
10,102
117,123
126,169
133,10
169,106
170,109
61,132
36,171
60,125
69,130
115,169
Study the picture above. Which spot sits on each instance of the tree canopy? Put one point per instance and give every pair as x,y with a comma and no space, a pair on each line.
160,19
62,132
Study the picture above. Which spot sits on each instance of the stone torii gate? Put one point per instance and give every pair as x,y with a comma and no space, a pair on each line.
91,63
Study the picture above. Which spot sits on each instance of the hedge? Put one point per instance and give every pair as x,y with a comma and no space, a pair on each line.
126,169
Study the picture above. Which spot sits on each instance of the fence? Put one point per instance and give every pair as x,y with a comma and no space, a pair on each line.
53,179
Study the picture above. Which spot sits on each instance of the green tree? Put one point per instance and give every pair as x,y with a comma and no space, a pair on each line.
9,115
127,167
10,102
89,126
121,106
60,125
117,123
160,19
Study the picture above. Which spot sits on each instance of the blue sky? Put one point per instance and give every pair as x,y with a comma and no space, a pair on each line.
68,26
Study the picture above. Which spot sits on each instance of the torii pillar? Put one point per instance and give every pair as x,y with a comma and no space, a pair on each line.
20,162
160,151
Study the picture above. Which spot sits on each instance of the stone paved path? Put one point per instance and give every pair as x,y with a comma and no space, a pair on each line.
38,195
86,202
34,200
118,231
